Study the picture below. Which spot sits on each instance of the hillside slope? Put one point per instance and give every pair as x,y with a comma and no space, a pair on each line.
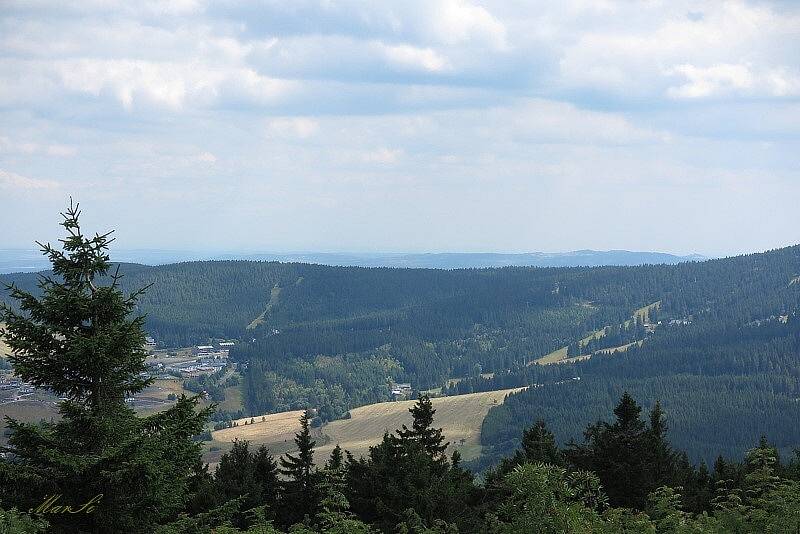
336,337
460,416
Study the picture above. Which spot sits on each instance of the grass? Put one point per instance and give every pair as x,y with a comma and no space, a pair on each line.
276,431
621,348
273,301
459,416
554,357
560,355
233,399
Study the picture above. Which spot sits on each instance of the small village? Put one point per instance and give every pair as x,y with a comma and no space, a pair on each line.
162,364
187,362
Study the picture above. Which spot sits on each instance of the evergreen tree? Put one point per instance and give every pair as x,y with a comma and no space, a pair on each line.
422,432
663,463
336,460
266,475
409,471
630,458
539,445
334,506
251,476
80,340
628,414
299,497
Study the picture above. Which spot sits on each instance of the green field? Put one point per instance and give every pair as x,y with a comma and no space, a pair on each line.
560,355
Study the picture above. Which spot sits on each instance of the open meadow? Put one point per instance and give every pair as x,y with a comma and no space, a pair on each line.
459,416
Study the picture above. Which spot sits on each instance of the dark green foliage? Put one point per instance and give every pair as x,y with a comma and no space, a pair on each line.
14,522
408,471
538,446
78,338
252,476
333,335
631,458
711,375
422,432
299,489
208,384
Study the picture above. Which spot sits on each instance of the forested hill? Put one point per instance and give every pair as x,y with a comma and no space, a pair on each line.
329,337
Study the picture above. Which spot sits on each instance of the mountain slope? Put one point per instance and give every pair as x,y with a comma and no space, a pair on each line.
334,337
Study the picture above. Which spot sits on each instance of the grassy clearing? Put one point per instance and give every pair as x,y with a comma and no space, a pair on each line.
276,431
621,348
554,357
560,355
273,301
594,335
460,416
233,399
156,396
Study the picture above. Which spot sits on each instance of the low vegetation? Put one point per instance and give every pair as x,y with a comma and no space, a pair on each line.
460,418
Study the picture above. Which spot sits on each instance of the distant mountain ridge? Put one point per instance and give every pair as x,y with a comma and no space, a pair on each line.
19,260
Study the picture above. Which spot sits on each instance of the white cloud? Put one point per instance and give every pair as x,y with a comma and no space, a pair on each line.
168,85
411,56
588,104
61,150
747,48
707,81
732,79
10,180
457,21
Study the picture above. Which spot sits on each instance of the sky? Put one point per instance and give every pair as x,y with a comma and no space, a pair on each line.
416,126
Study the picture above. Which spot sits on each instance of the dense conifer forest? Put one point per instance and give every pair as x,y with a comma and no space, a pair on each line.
718,344
716,368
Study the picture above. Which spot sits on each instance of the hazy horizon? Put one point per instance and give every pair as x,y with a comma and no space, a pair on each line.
449,125
24,260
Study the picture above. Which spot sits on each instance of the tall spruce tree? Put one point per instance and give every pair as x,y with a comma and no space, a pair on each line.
299,497
539,445
422,431
622,454
80,339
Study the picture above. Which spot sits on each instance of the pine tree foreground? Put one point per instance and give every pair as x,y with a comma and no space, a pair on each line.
81,340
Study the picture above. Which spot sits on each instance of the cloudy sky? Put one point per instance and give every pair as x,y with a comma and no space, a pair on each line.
404,126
